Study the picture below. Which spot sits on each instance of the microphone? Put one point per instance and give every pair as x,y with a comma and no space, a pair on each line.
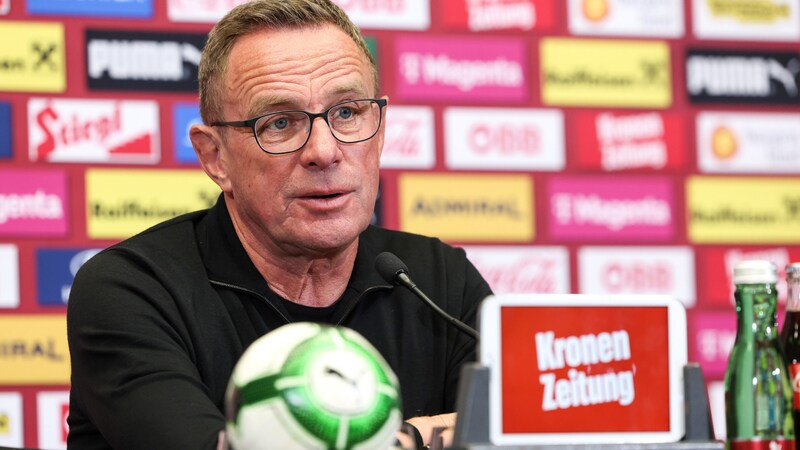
394,271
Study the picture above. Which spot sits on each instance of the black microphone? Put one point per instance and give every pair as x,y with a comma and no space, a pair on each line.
394,271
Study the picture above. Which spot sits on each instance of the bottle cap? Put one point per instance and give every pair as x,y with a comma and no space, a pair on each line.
755,272
793,270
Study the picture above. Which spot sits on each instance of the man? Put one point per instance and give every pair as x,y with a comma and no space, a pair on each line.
157,322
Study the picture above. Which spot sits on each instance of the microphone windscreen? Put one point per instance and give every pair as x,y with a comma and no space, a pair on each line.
389,266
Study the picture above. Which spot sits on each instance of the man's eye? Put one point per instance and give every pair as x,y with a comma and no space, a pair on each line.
277,124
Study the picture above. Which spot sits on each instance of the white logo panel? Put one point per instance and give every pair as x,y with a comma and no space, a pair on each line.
543,270
504,139
768,20
388,14
10,419
53,408
205,11
409,141
638,270
748,142
9,276
663,18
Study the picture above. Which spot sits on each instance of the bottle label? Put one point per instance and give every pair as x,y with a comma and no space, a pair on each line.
794,373
761,444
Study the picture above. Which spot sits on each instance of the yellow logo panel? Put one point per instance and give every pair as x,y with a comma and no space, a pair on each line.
121,203
33,350
467,208
32,57
741,210
581,72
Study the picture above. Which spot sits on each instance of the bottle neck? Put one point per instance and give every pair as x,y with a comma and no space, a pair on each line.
756,311
793,293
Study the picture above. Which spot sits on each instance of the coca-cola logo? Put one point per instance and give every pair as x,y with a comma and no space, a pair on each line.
527,274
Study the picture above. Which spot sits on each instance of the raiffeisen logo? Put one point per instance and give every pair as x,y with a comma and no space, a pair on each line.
461,69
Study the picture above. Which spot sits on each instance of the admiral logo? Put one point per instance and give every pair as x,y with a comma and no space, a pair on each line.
107,8
11,419
733,77
388,14
596,209
487,15
623,270
409,141
9,276
458,69
626,17
143,61
768,20
101,131
5,130
36,62
206,11
748,142
55,271
629,141
19,349
605,73
743,210
184,116
505,139
522,269
34,350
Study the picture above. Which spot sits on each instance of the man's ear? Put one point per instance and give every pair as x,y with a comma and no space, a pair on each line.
208,147
382,131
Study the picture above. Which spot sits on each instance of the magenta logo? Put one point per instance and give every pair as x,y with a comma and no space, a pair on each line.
714,333
593,208
33,203
492,70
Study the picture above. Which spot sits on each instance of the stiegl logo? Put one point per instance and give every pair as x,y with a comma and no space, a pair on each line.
631,141
579,388
493,14
465,75
37,205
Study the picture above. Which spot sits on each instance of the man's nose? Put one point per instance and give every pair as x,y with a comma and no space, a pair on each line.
322,149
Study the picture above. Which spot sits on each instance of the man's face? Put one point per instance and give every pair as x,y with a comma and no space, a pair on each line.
321,197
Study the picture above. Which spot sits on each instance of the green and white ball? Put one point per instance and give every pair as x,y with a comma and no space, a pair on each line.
312,386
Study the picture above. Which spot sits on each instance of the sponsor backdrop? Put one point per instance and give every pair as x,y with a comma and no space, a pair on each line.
604,146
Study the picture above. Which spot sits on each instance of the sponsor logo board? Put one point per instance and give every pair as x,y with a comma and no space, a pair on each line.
504,139
598,209
743,210
748,142
638,270
467,208
461,69
121,203
714,333
646,18
582,72
11,419
52,411
5,6
388,14
409,142
98,131
614,141
715,268
36,62
55,271
111,8
33,203
522,269
5,130
723,76
492,15
142,61
9,276
769,20
203,11
33,349
184,116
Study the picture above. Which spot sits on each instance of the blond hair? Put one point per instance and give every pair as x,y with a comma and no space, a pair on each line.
257,15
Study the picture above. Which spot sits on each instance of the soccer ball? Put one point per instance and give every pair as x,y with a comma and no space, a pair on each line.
312,386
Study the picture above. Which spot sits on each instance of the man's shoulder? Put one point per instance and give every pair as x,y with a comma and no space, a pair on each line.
409,245
174,233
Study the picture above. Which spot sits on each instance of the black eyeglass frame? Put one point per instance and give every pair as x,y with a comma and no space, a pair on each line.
251,123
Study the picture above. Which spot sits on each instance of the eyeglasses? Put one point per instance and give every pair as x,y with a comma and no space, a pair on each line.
288,131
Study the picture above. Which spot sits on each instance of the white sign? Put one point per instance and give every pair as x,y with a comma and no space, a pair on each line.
522,269
648,18
9,276
409,141
10,419
206,11
748,142
52,411
5,5
388,14
504,139
767,20
638,270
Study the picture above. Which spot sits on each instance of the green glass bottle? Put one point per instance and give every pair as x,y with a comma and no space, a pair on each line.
758,392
